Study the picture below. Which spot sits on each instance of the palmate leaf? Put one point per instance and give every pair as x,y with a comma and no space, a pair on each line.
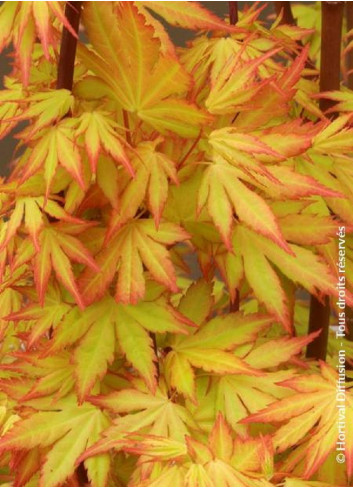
344,100
187,15
32,210
210,348
43,317
33,377
45,108
21,23
273,98
324,171
308,229
155,414
180,14
222,462
225,194
147,87
153,171
55,246
10,302
106,27
236,84
10,105
55,146
136,244
283,182
100,132
261,356
301,266
313,409
125,325
335,137
237,396
66,431
242,150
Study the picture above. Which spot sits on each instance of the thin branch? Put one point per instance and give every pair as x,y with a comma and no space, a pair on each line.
349,17
233,19
68,47
332,15
190,150
233,12
319,319
65,79
285,8
330,62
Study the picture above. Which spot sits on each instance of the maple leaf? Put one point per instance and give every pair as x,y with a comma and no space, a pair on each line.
46,108
153,169
274,95
344,100
236,84
115,365
10,302
225,194
334,138
261,356
301,266
299,229
42,317
136,244
30,208
36,377
139,87
236,396
10,105
242,150
126,324
21,23
324,171
187,15
221,462
100,132
66,431
312,410
139,410
285,183
209,348
56,145
54,248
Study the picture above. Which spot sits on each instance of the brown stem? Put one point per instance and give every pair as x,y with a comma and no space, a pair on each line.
68,47
233,19
319,319
349,16
65,80
330,62
287,16
233,12
332,15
